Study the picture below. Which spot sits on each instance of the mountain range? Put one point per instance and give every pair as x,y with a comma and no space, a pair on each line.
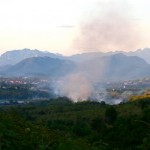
142,53
115,67
94,66
15,56
40,66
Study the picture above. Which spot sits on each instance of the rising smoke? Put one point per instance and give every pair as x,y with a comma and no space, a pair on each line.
80,84
108,27
76,87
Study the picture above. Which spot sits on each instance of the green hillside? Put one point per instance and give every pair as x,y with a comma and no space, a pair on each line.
62,125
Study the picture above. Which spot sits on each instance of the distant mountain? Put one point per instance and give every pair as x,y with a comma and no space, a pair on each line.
127,67
3,68
40,66
142,53
96,66
85,56
115,67
15,56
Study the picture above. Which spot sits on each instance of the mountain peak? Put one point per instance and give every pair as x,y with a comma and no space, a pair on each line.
40,66
15,56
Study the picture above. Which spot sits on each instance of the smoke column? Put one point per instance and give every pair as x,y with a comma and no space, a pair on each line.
76,87
108,27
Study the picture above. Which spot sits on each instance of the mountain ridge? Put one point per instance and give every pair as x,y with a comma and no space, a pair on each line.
98,66
115,67
15,56
40,66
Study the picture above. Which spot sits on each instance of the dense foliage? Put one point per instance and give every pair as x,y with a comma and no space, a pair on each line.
62,125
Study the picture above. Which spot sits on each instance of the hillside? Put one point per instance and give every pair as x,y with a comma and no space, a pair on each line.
142,53
115,67
40,66
63,125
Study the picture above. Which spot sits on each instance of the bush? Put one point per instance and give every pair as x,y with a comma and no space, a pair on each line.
110,114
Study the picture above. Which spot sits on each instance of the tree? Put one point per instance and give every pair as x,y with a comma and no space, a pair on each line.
110,114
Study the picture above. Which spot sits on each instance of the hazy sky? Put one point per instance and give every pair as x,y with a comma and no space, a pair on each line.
57,25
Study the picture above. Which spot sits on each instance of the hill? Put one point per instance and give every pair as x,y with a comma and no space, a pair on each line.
40,66
115,67
63,125
15,56
142,53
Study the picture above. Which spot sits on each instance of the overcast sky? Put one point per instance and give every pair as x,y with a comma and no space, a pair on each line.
56,25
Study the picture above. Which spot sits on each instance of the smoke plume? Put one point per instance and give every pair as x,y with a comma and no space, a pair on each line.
75,87
109,27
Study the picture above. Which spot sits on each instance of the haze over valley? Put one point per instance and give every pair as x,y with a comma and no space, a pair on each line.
82,76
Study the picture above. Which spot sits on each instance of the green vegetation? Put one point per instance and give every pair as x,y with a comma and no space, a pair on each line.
60,124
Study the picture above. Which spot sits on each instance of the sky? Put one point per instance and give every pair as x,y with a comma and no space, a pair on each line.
74,26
